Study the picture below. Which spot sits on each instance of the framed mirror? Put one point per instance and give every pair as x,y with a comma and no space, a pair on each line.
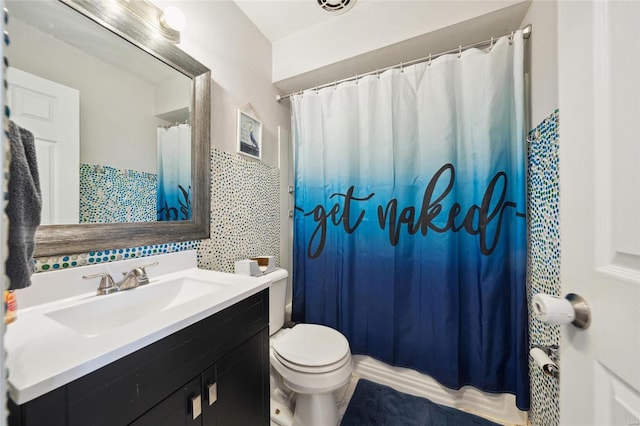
119,59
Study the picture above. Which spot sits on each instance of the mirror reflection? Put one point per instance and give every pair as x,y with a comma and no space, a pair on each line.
112,123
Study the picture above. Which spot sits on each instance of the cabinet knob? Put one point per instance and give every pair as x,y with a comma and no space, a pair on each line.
213,393
196,406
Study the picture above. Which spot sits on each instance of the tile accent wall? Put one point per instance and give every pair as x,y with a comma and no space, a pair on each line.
245,208
109,195
245,212
543,271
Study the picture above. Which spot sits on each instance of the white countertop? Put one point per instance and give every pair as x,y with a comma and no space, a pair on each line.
44,354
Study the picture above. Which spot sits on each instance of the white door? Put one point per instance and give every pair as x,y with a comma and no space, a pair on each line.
599,96
51,112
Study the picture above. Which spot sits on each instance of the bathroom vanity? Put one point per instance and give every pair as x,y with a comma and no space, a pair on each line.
200,357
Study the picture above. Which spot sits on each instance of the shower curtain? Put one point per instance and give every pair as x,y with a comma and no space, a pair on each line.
174,173
409,224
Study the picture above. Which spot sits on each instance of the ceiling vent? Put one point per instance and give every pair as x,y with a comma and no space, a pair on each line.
336,6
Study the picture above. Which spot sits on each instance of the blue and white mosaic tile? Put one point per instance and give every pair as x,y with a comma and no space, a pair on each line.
110,195
543,272
69,261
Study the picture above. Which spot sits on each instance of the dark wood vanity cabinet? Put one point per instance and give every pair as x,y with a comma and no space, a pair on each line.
218,367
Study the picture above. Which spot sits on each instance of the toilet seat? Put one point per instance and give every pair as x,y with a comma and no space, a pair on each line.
312,348
314,369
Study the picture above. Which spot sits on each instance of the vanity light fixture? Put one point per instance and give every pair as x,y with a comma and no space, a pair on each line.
173,18
166,23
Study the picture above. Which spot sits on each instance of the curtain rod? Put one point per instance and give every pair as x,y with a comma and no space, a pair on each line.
526,33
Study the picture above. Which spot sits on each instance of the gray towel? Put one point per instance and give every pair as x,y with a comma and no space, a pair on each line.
24,206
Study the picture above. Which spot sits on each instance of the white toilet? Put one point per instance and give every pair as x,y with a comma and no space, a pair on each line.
308,363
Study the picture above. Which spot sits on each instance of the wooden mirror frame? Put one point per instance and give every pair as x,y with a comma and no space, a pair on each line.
138,23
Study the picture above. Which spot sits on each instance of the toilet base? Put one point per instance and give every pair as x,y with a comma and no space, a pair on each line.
281,415
316,410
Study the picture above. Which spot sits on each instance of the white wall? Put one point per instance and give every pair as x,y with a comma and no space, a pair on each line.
541,58
118,127
369,26
220,36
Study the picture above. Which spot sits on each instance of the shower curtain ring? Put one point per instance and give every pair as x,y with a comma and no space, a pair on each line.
491,45
401,67
377,73
429,64
335,85
459,51
316,90
511,38
356,78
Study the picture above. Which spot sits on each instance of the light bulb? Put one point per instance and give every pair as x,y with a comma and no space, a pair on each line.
173,18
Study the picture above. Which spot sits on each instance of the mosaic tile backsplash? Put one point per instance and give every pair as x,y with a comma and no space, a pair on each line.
53,263
543,272
111,195
244,220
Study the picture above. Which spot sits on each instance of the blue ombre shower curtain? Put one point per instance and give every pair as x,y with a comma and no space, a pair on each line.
409,225
174,172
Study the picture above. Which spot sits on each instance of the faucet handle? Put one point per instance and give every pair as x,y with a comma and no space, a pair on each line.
141,273
147,266
144,279
140,270
106,283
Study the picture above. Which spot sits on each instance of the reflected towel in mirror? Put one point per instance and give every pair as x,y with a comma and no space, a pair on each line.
24,206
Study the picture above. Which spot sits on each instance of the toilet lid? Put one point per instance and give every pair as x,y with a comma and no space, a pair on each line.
312,345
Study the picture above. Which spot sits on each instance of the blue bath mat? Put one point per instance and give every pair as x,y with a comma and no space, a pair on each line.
373,404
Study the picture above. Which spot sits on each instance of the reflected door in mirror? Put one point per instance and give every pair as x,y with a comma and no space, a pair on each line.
50,111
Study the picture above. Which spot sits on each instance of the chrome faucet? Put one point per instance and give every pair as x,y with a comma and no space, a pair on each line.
132,279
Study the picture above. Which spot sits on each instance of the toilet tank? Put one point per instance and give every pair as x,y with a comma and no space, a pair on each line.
277,297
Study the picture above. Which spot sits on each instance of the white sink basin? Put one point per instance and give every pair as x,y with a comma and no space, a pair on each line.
104,313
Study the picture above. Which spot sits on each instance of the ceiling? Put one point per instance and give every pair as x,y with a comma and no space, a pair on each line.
277,19
395,30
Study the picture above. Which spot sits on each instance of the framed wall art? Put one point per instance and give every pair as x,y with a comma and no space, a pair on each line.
249,135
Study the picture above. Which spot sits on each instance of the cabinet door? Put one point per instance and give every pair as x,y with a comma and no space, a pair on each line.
179,408
239,386
48,409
